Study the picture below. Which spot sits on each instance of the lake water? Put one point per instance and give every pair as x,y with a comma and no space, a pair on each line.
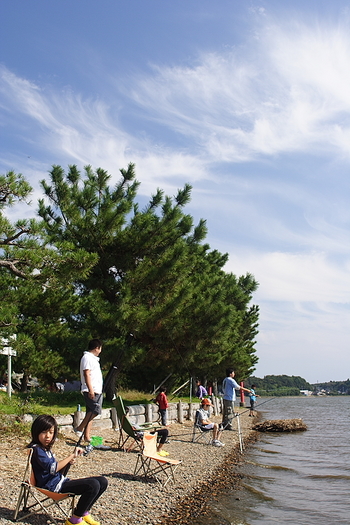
302,478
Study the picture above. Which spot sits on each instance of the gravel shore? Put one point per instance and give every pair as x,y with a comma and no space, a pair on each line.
205,472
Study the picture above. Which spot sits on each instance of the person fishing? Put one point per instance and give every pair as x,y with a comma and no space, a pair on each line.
91,387
230,386
48,471
253,395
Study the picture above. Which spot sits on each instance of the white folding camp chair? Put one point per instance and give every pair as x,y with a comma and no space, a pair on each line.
152,465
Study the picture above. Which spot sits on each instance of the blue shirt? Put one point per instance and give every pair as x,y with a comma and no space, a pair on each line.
252,394
229,386
44,467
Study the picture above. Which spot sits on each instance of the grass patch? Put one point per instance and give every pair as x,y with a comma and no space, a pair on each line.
39,402
12,426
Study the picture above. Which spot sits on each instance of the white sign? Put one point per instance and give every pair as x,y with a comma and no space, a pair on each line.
8,351
4,341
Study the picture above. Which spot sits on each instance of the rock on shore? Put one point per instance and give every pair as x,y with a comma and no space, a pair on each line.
281,425
205,472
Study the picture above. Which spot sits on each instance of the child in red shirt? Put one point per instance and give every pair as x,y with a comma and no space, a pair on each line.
163,404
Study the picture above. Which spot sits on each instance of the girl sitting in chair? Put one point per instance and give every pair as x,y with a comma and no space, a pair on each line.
48,471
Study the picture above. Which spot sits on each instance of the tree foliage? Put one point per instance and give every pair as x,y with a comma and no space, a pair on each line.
143,280
30,270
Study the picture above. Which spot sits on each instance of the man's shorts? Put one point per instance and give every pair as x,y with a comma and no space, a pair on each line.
207,427
93,405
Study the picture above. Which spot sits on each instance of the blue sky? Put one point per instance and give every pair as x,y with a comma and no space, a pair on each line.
247,101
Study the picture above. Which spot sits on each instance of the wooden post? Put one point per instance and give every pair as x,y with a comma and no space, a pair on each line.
114,418
180,414
213,400
242,404
189,415
148,412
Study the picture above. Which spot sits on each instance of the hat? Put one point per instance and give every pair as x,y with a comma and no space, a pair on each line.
206,401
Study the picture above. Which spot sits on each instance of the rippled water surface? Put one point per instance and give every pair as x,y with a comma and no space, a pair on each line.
299,478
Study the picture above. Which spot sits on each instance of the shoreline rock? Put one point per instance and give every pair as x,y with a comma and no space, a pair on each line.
281,425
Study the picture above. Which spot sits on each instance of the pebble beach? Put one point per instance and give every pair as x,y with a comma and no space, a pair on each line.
205,472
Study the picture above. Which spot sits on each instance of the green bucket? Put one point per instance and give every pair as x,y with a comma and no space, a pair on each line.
96,441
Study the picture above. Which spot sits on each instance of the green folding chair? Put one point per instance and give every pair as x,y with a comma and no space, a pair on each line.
129,437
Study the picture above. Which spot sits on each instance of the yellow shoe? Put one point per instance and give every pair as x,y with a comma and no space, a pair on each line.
68,522
163,453
90,520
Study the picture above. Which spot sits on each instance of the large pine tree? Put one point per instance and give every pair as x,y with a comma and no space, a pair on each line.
153,278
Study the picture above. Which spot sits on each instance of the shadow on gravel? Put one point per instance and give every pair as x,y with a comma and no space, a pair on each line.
7,514
128,477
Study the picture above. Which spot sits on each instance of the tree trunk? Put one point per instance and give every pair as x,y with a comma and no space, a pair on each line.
24,382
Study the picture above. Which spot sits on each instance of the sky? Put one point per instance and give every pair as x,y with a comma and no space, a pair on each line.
247,101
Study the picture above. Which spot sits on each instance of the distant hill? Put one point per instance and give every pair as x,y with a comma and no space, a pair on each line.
333,387
282,385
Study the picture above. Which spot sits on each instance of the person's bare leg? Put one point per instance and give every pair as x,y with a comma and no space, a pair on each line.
87,433
86,424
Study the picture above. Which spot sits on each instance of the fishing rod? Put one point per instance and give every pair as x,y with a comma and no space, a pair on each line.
237,414
257,406
267,401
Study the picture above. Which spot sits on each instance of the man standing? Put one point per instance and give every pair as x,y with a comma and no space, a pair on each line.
91,387
229,386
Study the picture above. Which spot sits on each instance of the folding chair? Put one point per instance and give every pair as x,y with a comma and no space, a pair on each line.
152,464
32,499
200,433
126,428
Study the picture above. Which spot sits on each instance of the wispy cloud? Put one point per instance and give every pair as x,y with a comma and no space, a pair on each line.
284,91
89,132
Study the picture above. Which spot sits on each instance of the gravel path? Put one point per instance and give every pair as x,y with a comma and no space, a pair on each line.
205,471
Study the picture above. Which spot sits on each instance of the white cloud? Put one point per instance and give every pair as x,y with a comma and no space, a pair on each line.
87,132
295,277
285,91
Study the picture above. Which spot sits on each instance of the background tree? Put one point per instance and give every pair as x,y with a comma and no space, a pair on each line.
153,278
30,271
